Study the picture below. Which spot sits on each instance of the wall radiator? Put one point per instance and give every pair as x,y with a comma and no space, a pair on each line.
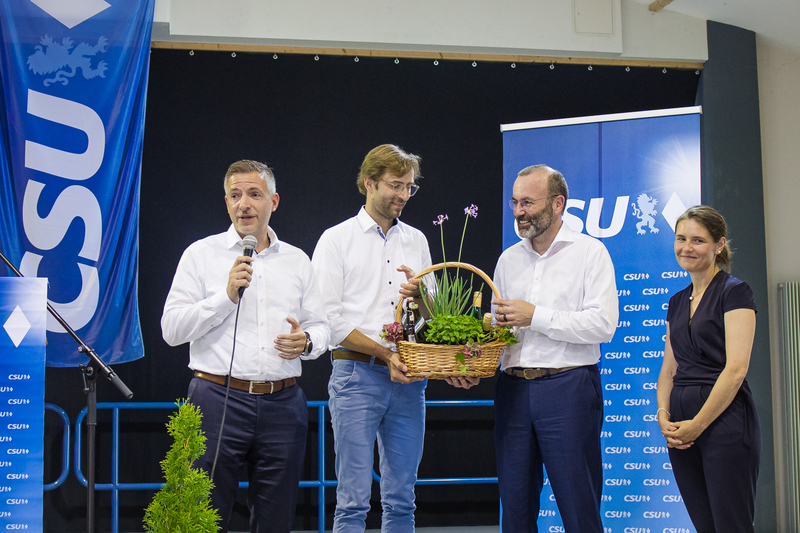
789,307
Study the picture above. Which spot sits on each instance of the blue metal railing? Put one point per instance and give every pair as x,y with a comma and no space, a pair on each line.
321,483
64,447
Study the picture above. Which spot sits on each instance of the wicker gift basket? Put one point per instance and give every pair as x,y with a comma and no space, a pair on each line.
438,361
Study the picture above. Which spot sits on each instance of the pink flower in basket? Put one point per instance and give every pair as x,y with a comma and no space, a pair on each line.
472,349
392,332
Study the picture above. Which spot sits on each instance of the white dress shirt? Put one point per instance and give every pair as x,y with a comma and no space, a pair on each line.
199,311
573,288
356,265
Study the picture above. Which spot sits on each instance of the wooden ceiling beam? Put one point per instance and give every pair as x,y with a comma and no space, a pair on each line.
658,5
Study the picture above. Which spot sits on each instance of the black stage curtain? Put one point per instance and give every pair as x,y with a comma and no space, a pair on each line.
313,120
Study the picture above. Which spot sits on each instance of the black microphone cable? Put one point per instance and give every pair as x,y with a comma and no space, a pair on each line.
248,246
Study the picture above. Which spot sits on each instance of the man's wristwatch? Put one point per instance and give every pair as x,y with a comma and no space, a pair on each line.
309,345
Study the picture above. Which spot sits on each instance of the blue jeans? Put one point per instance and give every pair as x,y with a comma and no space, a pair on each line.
365,403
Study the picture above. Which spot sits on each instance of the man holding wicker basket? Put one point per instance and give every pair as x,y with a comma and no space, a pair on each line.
561,300
364,266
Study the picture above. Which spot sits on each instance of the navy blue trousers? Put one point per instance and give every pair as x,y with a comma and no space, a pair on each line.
553,421
267,434
717,475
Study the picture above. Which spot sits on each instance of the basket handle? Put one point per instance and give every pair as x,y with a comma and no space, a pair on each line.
398,314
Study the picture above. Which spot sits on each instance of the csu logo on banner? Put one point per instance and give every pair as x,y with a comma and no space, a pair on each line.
636,498
636,307
617,449
636,530
74,201
51,57
636,338
654,449
645,210
617,355
674,274
655,291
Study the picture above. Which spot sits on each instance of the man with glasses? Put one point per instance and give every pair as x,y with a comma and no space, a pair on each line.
365,265
561,300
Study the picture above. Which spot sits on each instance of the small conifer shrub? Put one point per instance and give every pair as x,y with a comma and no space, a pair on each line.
183,504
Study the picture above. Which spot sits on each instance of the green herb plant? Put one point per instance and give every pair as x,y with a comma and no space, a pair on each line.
183,504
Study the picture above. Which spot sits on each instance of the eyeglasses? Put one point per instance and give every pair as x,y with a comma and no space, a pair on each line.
398,187
526,204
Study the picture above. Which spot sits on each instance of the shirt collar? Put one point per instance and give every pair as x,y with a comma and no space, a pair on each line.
233,240
564,236
367,223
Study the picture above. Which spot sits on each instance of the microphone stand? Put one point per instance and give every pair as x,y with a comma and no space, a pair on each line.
89,371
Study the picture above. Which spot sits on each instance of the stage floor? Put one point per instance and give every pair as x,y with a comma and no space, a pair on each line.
475,529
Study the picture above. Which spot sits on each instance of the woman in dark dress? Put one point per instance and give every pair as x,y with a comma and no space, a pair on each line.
705,407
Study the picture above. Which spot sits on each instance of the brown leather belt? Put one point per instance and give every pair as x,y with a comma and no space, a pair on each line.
536,373
357,356
253,387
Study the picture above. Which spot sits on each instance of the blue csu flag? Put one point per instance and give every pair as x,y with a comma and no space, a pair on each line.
74,80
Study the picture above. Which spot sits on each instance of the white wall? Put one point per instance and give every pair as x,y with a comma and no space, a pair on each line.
778,79
584,28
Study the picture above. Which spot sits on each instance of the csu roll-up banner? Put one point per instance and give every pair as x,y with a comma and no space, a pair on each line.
630,176
74,82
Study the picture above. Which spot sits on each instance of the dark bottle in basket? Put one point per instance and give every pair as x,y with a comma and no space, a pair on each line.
420,325
409,335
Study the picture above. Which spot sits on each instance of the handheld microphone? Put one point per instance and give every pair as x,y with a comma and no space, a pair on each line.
249,244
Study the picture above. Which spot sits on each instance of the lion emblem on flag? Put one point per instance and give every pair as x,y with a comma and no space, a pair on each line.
646,212
64,60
